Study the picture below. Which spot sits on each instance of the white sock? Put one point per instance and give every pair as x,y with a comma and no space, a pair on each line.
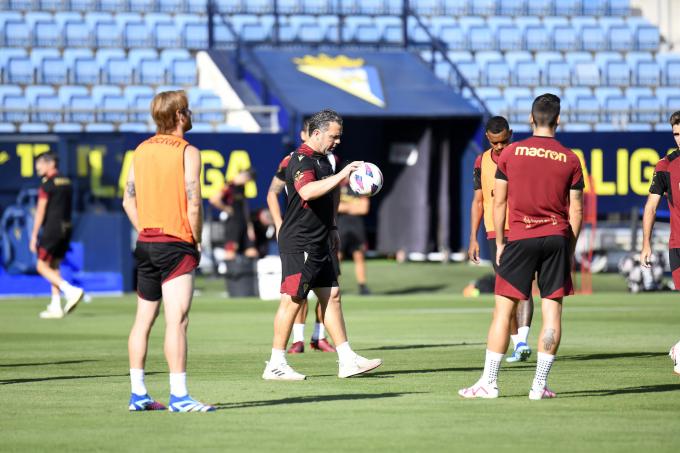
65,286
319,331
55,302
298,333
515,340
492,363
523,333
178,384
543,365
345,352
278,356
137,381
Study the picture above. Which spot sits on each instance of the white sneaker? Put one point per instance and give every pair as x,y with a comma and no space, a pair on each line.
52,313
73,298
357,365
479,390
281,372
541,393
674,353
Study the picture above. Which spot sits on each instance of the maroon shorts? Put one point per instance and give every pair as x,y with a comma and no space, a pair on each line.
549,257
159,262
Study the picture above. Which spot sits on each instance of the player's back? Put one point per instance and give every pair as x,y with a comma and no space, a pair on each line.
159,186
540,172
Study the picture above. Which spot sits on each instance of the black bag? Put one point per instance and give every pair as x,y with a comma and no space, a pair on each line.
241,277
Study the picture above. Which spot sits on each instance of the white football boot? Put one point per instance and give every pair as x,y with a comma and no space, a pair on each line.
281,372
357,365
480,390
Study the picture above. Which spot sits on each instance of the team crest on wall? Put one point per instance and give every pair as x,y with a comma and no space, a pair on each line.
348,74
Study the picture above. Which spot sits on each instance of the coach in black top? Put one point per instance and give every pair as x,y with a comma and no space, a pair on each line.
53,214
307,235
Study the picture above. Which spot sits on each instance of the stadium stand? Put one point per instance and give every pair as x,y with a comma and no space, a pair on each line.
555,45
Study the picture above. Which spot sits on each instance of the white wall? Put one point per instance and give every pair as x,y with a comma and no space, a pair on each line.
665,14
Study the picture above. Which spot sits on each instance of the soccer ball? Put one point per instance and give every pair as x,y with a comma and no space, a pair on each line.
366,180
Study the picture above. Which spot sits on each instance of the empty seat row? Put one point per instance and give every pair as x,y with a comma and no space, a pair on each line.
374,7
135,127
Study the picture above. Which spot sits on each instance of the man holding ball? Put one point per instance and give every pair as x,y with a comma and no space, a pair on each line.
307,239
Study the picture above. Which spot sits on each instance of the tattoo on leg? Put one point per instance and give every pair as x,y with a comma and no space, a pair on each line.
549,339
131,190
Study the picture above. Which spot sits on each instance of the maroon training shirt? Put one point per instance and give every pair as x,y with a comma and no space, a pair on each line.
667,181
540,172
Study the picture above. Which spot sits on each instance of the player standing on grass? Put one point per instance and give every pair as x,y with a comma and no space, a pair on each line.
53,214
498,133
163,201
307,241
666,181
540,183
278,184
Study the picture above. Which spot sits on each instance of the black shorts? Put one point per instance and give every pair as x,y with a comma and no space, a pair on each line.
236,236
492,252
674,259
301,272
352,234
53,246
160,262
549,256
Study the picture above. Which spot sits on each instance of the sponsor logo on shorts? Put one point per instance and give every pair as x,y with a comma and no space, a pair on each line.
540,152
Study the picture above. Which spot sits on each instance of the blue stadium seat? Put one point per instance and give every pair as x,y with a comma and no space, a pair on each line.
647,73
169,55
565,38
671,72
537,38
595,7
70,55
140,128
586,109
426,7
577,127
223,35
542,58
483,7
509,38
634,58
170,6
113,5
453,36
82,5
540,8
9,90
316,6
619,7
639,127
483,58
104,55
67,128
151,71
117,71
22,5
227,128
77,34
85,71
17,33
67,92
578,57
142,6
557,91
480,37
136,34
568,7
514,57
616,73
132,92
99,127
49,109
586,74
99,92
61,17
367,33
195,35
137,55
511,7
53,70
113,109
183,72
347,6
593,38
442,70
210,102
497,74
166,35
647,110
16,108
95,17
607,127
460,56
33,91
527,73
202,128
621,38
521,109
20,70
141,106
258,33
455,7
38,54
557,73
470,71
647,37
47,33
197,6
393,35
108,34
33,128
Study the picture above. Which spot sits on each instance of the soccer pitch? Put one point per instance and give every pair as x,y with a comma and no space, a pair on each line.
64,384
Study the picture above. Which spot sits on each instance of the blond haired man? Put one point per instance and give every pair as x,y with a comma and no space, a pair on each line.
163,201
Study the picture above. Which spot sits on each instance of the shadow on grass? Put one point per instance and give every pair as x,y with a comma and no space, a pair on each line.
614,355
62,362
311,399
64,378
411,290
402,347
420,371
623,391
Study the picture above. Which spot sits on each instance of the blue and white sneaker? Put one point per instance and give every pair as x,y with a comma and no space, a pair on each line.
521,353
144,403
188,404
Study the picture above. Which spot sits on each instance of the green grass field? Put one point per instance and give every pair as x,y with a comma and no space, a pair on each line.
64,383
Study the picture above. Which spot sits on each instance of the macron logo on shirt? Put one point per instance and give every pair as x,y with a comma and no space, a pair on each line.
540,152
